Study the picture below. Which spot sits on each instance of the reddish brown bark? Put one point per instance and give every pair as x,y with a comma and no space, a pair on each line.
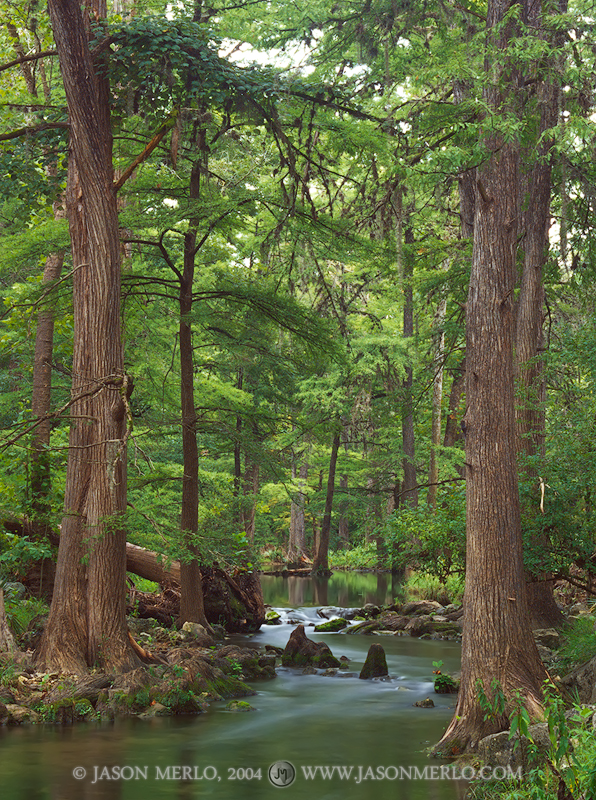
87,623
497,640
530,309
191,599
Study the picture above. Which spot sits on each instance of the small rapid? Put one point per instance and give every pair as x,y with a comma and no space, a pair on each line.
346,738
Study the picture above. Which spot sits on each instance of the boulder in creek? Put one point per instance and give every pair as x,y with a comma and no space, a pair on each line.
418,607
375,665
332,625
419,625
302,652
426,703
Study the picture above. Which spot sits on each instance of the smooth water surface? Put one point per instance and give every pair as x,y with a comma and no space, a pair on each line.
344,589
308,720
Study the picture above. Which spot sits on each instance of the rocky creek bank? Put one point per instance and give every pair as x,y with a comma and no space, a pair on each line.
191,670
424,619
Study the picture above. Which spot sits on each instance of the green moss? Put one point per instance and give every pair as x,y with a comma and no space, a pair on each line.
239,706
332,625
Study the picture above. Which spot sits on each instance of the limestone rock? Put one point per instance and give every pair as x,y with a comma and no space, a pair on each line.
418,607
239,706
419,625
498,750
365,627
426,703
20,714
549,637
302,652
393,622
332,625
198,633
375,665
583,679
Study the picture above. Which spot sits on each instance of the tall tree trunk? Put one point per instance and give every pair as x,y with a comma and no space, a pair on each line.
531,391
87,622
191,593
497,641
320,564
343,527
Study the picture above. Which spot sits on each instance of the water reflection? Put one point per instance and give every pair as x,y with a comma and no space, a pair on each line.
344,589
309,720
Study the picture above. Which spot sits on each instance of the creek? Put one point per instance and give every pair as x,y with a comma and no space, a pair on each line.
307,720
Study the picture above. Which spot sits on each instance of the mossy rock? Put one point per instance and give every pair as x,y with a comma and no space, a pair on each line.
366,627
302,652
332,625
180,700
375,665
67,711
239,706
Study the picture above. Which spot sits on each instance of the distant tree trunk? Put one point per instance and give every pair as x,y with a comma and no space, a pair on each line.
87,622
251,490
238,446
7,642
41,399
453,430
39,465
405,270
497,642
343,527
437,401
191,593
320,564
297,542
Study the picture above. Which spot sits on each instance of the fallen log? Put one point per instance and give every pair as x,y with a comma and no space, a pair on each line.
147,564
234,601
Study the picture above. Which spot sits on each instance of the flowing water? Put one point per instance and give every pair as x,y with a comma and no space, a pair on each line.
357,733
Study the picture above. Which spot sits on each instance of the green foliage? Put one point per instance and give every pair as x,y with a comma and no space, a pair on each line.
19,552
443,684
493,701
235,667
569,769
363,556
421,586
142,584
579,643
433,541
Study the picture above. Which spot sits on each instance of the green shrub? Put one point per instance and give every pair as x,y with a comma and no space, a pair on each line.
21,613
579,643
363,556
420,586
432,541
569,770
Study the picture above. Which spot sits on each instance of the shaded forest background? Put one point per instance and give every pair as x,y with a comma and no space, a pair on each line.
296,188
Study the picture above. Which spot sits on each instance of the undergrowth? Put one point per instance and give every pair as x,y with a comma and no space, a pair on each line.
579,643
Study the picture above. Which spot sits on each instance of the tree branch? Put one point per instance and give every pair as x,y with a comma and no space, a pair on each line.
44,126
146,152
24,59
